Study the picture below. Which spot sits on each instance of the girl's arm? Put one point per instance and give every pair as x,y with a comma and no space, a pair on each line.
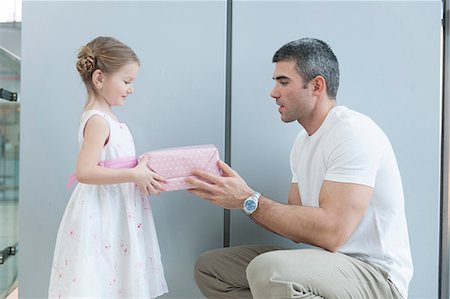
96,134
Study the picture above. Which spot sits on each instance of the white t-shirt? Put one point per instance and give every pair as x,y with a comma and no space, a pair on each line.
350,148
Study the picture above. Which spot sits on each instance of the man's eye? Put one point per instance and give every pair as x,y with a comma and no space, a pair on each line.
283,82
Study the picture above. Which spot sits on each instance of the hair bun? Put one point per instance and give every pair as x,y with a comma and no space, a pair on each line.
86,64
105,54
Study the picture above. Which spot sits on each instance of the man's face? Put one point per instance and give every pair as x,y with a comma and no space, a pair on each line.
291,93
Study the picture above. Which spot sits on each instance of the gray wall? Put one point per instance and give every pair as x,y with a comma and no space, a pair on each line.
389,57
389,61
182,51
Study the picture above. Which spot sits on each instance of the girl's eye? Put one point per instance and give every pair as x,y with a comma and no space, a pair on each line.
126,82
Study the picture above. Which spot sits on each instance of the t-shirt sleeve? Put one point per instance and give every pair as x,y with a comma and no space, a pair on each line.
354,153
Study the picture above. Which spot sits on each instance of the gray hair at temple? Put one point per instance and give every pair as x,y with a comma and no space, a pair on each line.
312,57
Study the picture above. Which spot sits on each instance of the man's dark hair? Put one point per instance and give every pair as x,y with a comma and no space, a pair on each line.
312,57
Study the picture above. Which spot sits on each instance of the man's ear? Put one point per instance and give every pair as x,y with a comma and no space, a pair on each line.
319,85
97,79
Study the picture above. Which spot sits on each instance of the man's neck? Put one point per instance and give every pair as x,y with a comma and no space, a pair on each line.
318,115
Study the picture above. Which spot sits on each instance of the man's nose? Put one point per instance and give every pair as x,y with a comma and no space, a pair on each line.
274,93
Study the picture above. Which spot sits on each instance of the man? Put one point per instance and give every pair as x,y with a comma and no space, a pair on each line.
346,199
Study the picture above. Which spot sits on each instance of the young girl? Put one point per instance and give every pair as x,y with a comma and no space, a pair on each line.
107,245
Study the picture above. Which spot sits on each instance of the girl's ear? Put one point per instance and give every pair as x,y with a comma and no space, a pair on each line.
97,79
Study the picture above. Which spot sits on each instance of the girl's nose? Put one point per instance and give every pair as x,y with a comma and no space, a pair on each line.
130,89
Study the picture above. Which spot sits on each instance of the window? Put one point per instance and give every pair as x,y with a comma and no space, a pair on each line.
10,11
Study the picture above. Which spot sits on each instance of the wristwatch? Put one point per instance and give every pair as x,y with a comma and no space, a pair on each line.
251,203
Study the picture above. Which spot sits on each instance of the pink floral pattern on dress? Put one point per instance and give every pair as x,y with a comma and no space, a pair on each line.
103,249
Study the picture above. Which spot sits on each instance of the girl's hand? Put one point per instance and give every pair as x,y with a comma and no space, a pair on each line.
148,181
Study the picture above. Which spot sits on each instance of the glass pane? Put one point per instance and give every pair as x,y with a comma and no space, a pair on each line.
9,171
11,11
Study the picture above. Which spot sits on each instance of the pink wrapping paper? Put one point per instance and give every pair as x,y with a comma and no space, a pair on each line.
176,164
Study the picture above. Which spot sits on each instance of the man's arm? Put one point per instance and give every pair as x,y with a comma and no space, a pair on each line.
294,195
293,199
329,226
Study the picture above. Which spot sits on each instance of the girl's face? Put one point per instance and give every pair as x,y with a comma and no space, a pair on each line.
118,85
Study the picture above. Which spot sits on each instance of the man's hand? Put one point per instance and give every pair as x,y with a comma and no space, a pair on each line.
227,191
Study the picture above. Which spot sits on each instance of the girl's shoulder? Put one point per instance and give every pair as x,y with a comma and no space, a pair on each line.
91,112
93,117
89,115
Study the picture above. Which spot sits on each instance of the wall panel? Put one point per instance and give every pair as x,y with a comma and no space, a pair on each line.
179,100
389,54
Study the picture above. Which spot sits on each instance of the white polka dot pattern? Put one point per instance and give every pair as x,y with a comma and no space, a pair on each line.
176,164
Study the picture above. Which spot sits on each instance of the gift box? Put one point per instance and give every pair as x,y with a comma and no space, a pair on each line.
176,164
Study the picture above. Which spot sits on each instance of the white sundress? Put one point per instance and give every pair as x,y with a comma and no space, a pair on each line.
107,245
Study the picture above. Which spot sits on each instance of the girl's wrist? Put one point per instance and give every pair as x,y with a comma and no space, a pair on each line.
134,175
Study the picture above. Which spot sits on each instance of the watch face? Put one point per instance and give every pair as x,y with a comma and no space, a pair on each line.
250,205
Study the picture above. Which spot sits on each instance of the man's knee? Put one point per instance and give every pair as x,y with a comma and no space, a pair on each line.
265,275
202,266
259,269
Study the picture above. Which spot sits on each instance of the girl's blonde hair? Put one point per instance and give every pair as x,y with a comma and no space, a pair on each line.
103,53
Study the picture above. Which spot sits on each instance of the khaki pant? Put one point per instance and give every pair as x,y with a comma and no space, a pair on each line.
270,272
